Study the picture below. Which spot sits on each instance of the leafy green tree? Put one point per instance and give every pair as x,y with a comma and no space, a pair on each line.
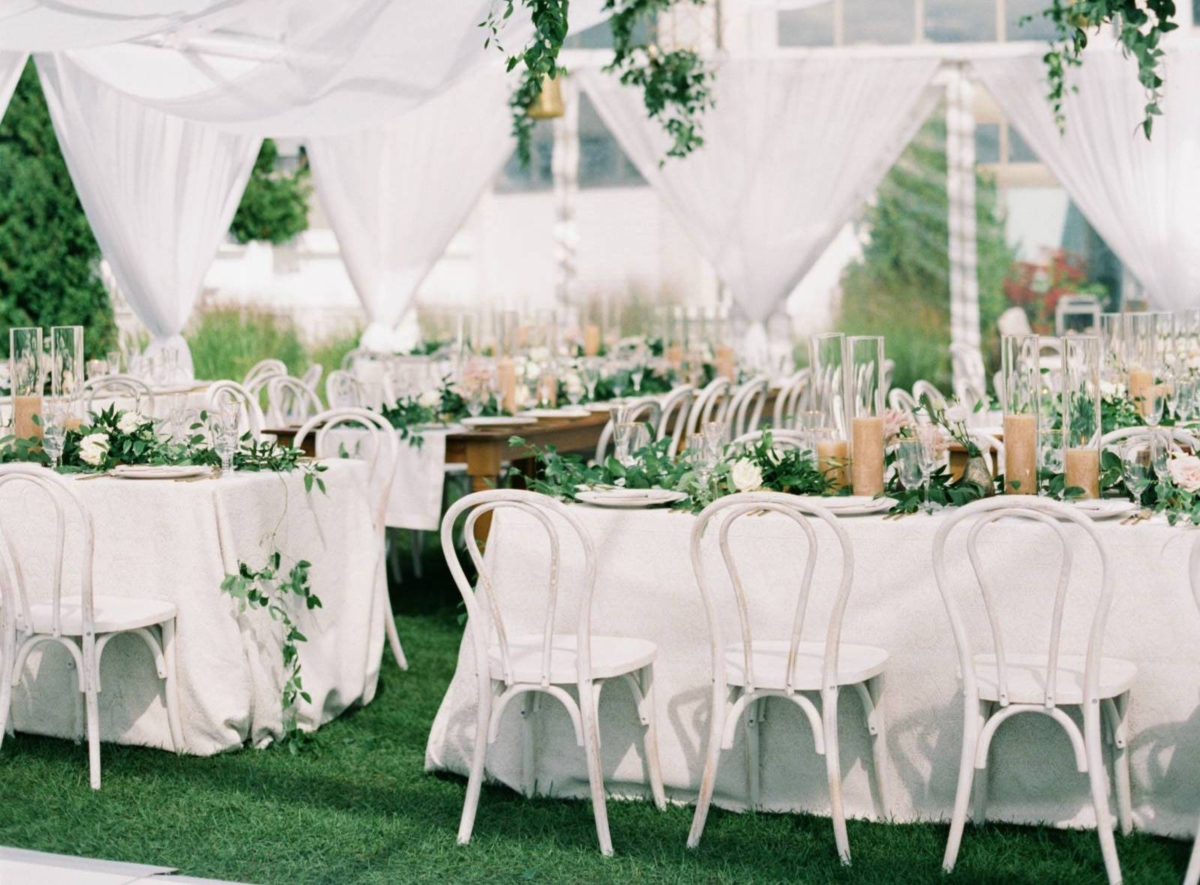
48,255
274,207
901,286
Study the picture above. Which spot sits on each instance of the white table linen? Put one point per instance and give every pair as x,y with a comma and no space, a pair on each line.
176,542
646,588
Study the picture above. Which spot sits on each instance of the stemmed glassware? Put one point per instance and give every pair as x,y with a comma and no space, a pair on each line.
223,425
590,372
54,429
910,456
1140,465
629,438
637,369
618,372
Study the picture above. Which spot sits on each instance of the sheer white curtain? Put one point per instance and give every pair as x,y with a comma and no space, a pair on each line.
1141,197
396,195
159,192
792,148
11,65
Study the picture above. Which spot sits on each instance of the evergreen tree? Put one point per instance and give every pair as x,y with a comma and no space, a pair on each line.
48,256
274,207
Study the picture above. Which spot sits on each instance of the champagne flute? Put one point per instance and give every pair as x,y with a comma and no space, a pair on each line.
1137,463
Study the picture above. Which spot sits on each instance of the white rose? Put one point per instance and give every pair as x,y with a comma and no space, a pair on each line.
1111,390
93,448
520,396
130,422
430,399
957,413
746,475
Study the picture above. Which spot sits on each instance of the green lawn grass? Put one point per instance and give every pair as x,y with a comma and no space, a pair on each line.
359,808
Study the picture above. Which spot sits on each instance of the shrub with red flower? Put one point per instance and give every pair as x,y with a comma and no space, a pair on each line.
1037,287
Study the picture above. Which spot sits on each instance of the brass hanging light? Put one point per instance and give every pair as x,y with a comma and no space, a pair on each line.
549,103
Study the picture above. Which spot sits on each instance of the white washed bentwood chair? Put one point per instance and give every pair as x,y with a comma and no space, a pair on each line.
290,402
261,371
748,672
533,664
673,420
118,387
1001,684
380,457
746,406
250,412
83,625
1192,877
711,404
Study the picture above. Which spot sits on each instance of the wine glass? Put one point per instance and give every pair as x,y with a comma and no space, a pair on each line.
54,430
931,441
590,372
618,377
910,458
113,359
223,426
1183,398
637,370
623,442
1137,462
176,407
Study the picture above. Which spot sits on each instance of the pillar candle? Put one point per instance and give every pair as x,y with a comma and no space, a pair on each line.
506,384
832,455
866,467
24,410
726,362
1141,381
1083,471
591,340
1020,454
675,355
548,390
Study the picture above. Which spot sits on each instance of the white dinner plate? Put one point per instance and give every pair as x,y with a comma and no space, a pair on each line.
498,421
1105,508
851,505
630,499
160,471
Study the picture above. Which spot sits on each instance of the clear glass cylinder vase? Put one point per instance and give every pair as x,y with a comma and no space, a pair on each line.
27,374
866,420
1020,362
828,359
1081,418
1141,358
67,366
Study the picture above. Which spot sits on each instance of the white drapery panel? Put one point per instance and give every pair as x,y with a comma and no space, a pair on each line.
47,25
11,65
159,192
396,195
1140,196
792,148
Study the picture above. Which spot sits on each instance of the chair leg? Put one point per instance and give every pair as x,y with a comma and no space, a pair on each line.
80,721
417,542
1116,710
591,747
1192,876
720,709
171,686
879,748
529,747
483,717
753,769
1098,777
93,733
650,742
833,768
979,811
966,773
7,665
393,636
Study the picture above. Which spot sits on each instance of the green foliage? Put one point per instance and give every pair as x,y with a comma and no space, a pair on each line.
942,491
901,286
227,342
274,207
48,255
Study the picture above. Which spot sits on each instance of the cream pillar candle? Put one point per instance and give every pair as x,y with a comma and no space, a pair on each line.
1083,471
1020,454
832,455
866,467
591,340
506,384
726,362
548,390
675,355
1141,382
24,410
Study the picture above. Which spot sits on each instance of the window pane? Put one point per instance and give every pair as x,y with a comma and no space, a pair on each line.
601,161
538,176
806,27
596,37
957,21
1037,28
880,21
1019,150
987,143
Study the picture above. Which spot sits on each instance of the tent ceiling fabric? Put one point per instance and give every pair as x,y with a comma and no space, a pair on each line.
1141,196
50,25
792,149
11,65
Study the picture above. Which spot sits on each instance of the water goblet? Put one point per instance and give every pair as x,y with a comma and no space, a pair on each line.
910,459
1137,463
637,371
623,442
113,359
54,430
590,372
618,377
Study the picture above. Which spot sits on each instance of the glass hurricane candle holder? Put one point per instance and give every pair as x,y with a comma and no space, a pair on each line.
26,368
66,362
1081,413
866,422
828,360
1020,372
1141,358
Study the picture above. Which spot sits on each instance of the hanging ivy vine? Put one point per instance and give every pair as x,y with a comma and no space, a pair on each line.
1140,26
676,85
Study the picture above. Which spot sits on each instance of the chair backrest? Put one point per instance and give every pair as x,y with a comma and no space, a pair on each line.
967,361
803,514
486,618
1180,439
290,401
353,356
746,406
23,481
1056,517
791,396
380,458
312,376
991,447
342,390
712,404
119,387
673,419
902,401
924,390
251,418
645,410
781,438
889,371
261,371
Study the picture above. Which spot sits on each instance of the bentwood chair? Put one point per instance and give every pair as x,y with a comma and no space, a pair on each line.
790,400
1192,876
290,402
746,406
746,673
902,401
342,390
1180,439
645,410
673,420
712,404
925,391
571,667
83,625
118,387
312,376
780,439
250,412
261,371
342,433
1000,684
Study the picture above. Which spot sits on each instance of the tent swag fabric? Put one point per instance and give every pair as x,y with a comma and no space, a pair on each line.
159,192
792,149
1140,195
11,65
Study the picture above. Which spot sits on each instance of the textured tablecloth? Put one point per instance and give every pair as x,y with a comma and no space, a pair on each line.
646,588
176,541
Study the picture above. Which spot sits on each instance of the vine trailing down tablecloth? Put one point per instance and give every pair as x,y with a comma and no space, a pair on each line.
177,541
646,588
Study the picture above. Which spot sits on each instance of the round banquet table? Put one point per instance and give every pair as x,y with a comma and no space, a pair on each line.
645,588
176,541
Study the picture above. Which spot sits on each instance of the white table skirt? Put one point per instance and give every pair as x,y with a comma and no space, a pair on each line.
176,541
646,588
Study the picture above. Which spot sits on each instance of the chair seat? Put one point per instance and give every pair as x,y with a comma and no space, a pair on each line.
1027,678
856,663
112,614
611,656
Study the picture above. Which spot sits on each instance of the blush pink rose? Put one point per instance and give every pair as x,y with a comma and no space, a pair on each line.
895,420
1185,472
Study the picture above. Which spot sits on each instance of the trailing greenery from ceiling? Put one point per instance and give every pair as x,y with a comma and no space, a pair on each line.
676,84
1140,26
